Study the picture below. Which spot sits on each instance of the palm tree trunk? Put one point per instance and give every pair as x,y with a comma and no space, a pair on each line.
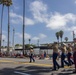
1,27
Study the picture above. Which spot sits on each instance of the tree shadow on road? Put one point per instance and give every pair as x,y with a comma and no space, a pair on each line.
37,70
6,71
64,72
32,70
19,67
10,71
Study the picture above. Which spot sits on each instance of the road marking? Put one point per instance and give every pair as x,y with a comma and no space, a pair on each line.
35,64
21,73
6,61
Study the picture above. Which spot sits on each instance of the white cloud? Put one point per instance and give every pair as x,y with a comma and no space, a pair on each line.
42,36
4,37
19,35
75,1
58,20
29,21
18,19
16,7
15,18
14,15
26,35
54,20
73,28
35,38
39,37
39,11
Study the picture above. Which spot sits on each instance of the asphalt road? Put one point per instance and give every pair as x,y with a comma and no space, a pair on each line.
20,66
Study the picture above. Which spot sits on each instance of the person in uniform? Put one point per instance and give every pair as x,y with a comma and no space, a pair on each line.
69,56
63,56
74,57
55,55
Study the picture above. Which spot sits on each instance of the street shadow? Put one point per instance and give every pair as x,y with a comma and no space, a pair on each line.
64,72
7,71
19,67
11,71
37,70
33,70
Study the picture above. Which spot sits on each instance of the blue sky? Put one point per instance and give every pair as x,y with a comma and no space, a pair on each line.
43,18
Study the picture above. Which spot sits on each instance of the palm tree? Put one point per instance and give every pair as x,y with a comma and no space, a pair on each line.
66,39
8,3
61,35
1,2
57,35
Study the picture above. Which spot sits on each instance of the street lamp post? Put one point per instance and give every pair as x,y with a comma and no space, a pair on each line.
23,25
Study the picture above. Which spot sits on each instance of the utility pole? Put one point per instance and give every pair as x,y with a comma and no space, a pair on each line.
8,31
74,38
23,25
73,35
13,38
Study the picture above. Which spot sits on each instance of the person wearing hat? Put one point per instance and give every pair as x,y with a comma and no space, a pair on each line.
55,55
63,56
69,55
31,55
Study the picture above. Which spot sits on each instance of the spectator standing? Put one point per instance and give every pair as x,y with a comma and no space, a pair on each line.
44,54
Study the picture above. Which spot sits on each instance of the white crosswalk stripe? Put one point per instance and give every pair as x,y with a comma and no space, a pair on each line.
21,73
